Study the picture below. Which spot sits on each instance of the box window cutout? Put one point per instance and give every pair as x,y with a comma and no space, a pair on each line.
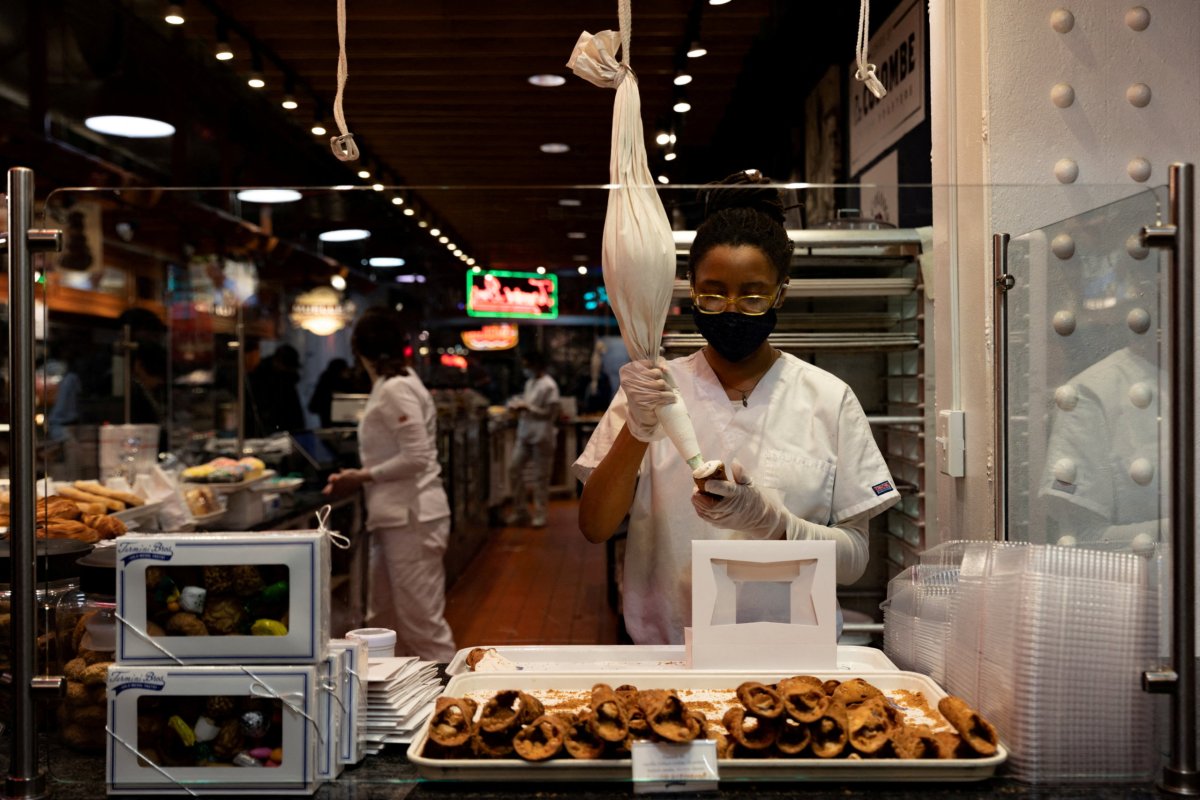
777,591
198,731
217,600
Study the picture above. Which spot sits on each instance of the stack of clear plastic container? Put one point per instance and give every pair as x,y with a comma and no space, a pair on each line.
1050,643
916,618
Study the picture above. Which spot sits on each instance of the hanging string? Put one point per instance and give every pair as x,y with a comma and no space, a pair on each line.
151,639
625,20
866,70
292,700
343,146
339,540
148,761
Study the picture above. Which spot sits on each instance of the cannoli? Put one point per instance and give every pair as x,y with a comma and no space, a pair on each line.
804,698
793,737
869,726
726,747
491,745
760,700
541,739
912,741
852,692
946,744
709,470
453,721
976,731
581,740
829,733
830,685
476,655
667,716
609,720
508,711
750,732
92,487
72,493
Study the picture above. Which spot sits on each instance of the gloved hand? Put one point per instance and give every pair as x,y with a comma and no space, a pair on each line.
741,506
645,390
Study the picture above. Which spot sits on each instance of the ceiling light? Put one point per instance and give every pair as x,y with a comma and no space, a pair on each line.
377,187
174,15
397,201
682,78
458,253
255,81
420,223
221,49
435,232
569,202
318,129
669,156
338,282
471,261
717,2
476,269
696,50
268,195
547,80
682,106
344,235
382,262
583,270
408,212
671,138
576,235
663,138
555,147
364,173
442,239
132,127
663,179
541,270
289,102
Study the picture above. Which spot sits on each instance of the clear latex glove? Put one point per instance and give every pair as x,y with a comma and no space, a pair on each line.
646,390
740,506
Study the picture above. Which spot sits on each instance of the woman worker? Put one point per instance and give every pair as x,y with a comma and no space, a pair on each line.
408,514
800,457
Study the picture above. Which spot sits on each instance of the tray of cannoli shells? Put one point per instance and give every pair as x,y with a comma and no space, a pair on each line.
882,726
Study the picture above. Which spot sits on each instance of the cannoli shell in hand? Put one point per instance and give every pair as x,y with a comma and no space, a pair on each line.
975,731
709,470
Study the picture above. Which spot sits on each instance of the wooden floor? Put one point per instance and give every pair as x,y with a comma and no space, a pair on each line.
534,586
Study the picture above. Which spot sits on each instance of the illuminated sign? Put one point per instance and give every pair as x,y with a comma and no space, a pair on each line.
454,361
491,337
521,295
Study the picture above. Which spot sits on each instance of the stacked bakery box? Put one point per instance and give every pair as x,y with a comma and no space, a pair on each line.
226,679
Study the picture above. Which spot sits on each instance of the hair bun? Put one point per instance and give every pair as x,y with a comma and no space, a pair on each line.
748,189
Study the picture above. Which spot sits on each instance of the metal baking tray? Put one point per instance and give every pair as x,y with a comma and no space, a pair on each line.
602,659
480,686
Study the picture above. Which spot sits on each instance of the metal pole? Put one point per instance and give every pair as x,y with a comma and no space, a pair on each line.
1003,282
1180,774
241,382
25,778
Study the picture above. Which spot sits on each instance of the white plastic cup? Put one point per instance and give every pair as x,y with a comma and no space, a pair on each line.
381,642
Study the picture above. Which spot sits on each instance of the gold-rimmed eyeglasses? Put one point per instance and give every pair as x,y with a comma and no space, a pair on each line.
752,305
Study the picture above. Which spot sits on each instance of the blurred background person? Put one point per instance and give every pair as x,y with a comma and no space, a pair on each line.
338,378
274,402
537,409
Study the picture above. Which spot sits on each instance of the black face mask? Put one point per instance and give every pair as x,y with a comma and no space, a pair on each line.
734,336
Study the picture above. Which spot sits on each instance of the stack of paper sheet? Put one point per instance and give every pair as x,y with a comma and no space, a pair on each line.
400,694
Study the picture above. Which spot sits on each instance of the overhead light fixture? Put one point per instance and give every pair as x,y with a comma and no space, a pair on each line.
570,202
476,269
256,81
435,232
221,50
547,80
663,179
671,139
458,253
451,246
576,235
583,270
131,127
344,235
696,50
364,173
555,147
321,311
541,270
289,102
397,201
377,187
471,261
682,78
669,155
682,106
663,138
442,239
421,223
717,2
318,124
383,262
338,282
268,195
408,212
174,15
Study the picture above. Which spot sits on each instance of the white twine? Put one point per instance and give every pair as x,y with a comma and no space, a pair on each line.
259,688
327,685
338,539
343,146
139,754
151,639
866,70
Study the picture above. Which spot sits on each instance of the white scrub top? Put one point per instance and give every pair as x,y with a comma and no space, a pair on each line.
536,423
803,438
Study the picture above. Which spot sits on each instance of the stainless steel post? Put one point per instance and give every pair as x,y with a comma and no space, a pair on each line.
25,778
1003,282
241,382
1180,774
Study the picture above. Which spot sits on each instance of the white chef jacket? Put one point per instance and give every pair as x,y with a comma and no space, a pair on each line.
397,441
803,439
536,423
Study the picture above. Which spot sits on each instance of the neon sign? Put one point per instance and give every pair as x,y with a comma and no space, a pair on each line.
520,295
454,361
491,337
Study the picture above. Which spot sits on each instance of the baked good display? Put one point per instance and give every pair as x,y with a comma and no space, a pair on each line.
201,501
58,517
225,470
754,720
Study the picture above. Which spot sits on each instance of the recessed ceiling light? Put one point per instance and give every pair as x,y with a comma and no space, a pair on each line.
344,235
682,106
697,50
338,282
663,179
268,195
382,262
132,127
471,261
541,270
458,252
289,102
583,270
435,232
442,239
255,81
318,129
364,173
174,15
576,235
669,156
682,79
570,201
555,147
421,223
408,212
547,80
663,138
397,201
476,269
222,51
717,2
377,187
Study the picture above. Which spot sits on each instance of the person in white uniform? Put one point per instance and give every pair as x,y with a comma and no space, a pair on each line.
533,452
802,460
408,514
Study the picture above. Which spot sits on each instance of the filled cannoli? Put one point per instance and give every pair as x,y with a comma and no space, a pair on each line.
976,732
581,740
830,685
508,711
829,732
869,726
793,737
726,747
852,692
453,721
912,741
804,698
946,744
609,719
750,732
541,739
760,700
667,716
709,470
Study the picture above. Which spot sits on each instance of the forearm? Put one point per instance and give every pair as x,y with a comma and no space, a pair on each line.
608,493
850,538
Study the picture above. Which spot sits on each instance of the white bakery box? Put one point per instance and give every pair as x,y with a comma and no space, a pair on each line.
352,692
219,566
165,737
